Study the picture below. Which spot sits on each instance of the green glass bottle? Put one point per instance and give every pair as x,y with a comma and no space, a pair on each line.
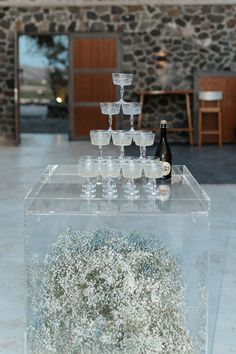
163,151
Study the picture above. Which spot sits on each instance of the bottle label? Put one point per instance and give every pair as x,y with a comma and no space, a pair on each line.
167,168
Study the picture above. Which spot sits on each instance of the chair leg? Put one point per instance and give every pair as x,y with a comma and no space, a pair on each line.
200,129
220,128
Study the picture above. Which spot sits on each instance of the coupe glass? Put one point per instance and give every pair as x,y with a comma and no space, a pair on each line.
132,109
132,169
100,138
111,109
110,169
143,139
122,80
153,169
122,138
88,168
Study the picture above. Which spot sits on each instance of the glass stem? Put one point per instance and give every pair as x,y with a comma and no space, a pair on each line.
132,185
129,184
121,92
100,151
143,152
153,185
122,152
140,148
87,183
132,122
110,122
108,185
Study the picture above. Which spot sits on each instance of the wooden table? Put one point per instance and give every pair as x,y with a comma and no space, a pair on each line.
187,94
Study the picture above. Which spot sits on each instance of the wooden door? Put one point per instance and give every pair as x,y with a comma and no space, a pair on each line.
93,60
226,84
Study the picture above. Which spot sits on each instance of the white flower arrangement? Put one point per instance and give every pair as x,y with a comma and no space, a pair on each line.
103,292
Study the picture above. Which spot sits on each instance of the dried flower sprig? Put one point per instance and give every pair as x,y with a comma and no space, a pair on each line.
108,293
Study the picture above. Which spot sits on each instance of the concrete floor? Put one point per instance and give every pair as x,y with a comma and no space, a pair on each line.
21,167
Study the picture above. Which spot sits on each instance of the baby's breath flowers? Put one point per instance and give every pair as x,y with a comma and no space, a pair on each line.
103,292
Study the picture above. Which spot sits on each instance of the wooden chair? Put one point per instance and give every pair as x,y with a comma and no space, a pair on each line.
210,103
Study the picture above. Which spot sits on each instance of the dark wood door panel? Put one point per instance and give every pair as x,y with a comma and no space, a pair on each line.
229,110
94,87
94,53
212,83
88,118
93,61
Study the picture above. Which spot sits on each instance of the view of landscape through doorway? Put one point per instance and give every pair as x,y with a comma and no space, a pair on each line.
43,83
61,80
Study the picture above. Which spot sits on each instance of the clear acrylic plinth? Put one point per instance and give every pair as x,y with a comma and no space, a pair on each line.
116,276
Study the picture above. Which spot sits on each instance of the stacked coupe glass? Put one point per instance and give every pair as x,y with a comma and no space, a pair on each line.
108,172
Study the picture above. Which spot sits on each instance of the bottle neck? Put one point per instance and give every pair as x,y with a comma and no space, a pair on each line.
163,132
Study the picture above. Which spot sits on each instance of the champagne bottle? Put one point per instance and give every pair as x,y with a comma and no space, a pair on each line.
163,151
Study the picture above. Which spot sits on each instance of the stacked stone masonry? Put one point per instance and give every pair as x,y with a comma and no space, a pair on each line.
194,37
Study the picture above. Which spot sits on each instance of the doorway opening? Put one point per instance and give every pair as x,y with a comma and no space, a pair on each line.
43,83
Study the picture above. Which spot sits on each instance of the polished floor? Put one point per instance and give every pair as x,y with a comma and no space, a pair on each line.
21,166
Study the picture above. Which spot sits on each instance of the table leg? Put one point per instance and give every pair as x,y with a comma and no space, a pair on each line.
189,117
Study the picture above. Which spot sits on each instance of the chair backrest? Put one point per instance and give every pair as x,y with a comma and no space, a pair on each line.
210,95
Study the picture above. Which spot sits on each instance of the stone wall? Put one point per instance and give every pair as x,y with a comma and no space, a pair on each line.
112,2
194,37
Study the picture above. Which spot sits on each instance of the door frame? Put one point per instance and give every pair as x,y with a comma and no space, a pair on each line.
197,76
99,35
17,79
16,90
